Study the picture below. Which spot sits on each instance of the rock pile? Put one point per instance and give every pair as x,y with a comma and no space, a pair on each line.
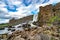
37,33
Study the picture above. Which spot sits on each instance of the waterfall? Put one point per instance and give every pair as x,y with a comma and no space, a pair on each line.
35,17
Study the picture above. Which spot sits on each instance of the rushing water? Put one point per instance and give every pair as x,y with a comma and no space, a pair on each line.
16,27
4,31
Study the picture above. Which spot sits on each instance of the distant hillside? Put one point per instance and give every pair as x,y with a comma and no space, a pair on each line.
21,20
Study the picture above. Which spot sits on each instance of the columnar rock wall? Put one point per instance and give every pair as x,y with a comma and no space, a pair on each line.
45,13
48,13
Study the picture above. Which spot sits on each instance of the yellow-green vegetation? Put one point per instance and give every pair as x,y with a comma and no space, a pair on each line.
3,25
52,19
49,24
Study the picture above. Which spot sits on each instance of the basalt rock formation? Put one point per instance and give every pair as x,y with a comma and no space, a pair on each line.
49,14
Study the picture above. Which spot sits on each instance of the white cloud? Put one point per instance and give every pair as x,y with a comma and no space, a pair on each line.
22,9
4,21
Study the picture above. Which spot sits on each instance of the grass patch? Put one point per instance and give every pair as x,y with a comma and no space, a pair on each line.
3,25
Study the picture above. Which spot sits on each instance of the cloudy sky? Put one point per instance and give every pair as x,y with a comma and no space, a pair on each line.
20,8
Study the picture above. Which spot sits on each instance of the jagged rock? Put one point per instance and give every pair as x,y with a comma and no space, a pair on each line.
49,14
26,25
13,21
45,37
10,27
13,30
18,38
54,38
38,33
56,23
45,14
19,26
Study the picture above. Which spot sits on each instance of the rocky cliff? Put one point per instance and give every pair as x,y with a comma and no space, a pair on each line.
49,14
21,20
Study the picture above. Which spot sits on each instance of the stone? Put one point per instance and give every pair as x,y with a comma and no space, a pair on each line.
18,38
45,37
49,14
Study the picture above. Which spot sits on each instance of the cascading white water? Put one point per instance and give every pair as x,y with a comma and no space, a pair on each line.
35,17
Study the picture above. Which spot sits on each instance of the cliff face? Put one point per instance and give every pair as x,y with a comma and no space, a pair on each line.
45,13
48,14
21,20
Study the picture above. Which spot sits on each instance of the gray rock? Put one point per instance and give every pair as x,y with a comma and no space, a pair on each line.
45,37
37,37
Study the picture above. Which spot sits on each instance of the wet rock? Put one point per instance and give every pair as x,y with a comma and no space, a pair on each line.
13,27
19,26
12,30
10,27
